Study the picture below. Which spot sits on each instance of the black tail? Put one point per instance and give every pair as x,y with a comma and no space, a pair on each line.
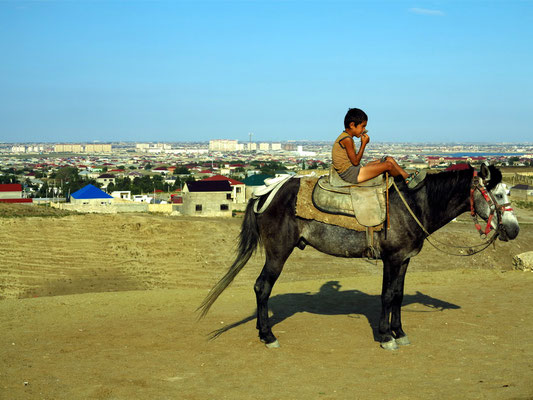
249,238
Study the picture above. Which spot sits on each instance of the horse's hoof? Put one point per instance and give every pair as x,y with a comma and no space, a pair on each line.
273,345
403,341
390,345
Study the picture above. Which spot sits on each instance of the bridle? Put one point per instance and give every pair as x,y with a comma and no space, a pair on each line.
495,208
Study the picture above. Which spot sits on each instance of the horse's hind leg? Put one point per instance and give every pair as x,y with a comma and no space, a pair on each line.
275,259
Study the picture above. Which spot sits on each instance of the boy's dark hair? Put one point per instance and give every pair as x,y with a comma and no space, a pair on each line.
354,115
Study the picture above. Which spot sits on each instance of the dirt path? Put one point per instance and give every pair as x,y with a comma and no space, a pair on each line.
146,344
102,307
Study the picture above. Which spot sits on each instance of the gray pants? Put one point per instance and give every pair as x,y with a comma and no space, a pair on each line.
351,174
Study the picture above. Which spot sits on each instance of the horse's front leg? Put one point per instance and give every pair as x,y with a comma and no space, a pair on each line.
396,317
390,330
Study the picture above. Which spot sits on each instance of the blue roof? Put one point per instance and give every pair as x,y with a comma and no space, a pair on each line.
90,192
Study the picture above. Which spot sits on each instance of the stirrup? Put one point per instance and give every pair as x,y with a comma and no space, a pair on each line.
414,179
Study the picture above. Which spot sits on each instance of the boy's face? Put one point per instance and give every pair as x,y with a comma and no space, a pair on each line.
356,130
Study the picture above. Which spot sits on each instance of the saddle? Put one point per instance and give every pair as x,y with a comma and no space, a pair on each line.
365,201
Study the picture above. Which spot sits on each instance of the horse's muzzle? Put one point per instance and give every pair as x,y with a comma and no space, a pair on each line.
508,233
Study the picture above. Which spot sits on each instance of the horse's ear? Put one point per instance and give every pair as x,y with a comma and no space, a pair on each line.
484,172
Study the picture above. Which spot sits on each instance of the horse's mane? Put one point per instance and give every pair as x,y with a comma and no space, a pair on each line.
441,185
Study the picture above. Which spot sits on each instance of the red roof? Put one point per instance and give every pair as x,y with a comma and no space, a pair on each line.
205,171
10,187
223,178
458,167
21,200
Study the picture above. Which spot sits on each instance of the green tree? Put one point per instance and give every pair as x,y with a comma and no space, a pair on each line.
9,179
513,160
271,167
182,171
67,174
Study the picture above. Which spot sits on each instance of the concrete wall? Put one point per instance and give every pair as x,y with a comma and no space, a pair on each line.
102,209
10,195
121,207
239,194
518,194
211,204
92,202
162,208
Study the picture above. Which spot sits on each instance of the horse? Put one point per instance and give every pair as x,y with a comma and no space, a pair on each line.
441,198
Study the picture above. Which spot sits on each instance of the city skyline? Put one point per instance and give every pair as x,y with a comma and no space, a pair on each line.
206,142
111,71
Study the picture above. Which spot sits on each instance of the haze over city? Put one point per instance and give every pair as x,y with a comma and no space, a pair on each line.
428,71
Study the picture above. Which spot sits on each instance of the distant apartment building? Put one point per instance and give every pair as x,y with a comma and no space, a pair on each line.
276,146
27,149
289,147
225,145
251,146
34,149
79,148
68,148
153,147
142,146
264,146
98,148
18,149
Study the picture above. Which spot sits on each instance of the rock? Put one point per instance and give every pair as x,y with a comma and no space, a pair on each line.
524,261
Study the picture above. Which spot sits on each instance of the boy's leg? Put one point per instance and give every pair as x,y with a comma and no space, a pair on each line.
375,168
371,170
396,168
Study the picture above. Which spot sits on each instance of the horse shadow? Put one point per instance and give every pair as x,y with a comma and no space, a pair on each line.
331,300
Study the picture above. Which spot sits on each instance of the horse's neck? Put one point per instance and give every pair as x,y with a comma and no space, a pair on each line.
446,196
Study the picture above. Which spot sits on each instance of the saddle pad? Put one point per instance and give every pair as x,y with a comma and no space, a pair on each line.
367,204
305,209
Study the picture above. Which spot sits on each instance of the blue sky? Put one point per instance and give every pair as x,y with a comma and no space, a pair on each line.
424,71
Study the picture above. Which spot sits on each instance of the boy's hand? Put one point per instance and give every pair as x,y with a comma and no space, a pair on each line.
365,138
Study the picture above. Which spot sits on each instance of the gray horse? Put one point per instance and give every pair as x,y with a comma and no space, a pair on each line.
441,198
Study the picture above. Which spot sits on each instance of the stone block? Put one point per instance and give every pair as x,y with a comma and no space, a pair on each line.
524,261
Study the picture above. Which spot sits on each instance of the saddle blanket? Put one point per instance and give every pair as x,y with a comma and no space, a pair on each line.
305,209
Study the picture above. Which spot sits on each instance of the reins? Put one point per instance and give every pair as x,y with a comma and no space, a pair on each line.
477,184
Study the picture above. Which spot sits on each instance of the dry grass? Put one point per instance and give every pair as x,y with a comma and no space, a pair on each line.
31,210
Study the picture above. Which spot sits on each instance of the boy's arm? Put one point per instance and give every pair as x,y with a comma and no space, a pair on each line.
350,150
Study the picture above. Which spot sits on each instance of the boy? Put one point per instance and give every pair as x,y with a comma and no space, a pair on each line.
347,161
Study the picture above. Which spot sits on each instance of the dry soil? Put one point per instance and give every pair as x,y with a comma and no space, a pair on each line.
103,307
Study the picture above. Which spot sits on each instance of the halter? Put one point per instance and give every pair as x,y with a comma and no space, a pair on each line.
495,208
499,209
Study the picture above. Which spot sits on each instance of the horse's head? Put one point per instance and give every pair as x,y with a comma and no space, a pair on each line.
490,201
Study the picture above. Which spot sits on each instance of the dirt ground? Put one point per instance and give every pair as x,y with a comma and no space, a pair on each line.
103,307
